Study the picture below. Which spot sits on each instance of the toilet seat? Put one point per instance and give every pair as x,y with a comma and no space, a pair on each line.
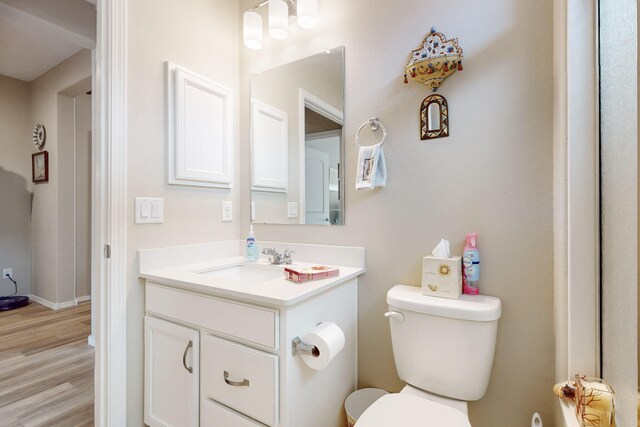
396,409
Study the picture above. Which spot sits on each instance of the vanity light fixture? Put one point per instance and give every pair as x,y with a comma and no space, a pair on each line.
278,19
252,29
279,13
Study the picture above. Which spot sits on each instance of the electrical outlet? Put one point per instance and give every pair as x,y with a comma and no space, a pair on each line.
6,272
227,211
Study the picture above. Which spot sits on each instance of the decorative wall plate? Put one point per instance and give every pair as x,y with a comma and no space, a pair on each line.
39,136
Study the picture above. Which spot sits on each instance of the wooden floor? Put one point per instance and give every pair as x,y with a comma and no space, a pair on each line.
46,367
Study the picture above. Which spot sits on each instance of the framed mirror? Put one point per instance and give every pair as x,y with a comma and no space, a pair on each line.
297,142
434,117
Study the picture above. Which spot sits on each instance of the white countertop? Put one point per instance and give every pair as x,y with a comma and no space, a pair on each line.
279,291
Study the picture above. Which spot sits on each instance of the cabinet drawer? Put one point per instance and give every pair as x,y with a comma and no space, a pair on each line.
214,414
253,324
240,377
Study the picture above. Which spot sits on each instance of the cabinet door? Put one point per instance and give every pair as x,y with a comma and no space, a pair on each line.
172,369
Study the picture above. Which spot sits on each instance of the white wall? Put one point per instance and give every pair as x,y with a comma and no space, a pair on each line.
619,174
200,35
492,176
51,103
15,184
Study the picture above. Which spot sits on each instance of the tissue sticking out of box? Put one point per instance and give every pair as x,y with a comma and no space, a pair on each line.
442,249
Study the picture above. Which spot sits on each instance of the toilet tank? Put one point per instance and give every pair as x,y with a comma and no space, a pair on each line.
444,346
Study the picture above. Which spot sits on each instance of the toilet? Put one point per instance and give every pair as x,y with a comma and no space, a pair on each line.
443,350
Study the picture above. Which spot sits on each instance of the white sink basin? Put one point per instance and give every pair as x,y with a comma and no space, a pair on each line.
246,273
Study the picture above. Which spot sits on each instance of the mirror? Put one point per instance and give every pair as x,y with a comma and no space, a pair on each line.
434,116
297,142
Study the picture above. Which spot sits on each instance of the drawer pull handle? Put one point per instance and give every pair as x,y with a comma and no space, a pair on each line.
184,357
243,383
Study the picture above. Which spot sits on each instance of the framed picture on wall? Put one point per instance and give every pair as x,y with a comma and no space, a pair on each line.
40,167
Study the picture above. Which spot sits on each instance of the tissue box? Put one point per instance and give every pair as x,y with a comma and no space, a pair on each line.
442,277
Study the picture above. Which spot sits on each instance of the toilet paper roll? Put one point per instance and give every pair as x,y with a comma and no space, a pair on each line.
328,338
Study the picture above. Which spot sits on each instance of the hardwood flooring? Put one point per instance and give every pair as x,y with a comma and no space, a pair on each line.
46,367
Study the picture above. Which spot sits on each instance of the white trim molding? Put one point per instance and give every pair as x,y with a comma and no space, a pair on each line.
109,214
52,305
82,299
576,189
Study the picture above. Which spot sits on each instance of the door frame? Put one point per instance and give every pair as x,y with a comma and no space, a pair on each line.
576,188
109,213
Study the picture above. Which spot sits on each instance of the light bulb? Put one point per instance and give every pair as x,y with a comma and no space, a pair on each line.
252,29
307,13
278,19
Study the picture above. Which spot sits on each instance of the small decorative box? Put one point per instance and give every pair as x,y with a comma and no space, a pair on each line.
306,274
442,277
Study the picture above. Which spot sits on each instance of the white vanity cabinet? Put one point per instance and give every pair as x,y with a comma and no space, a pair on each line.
244,371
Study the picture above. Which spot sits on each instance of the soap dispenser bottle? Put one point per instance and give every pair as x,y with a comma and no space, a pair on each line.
252,247
471,266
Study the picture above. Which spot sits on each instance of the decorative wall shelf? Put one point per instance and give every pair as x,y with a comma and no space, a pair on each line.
435,60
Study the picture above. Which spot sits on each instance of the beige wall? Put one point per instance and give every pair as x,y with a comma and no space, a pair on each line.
15,184
51,104
492,176
619,172
200,35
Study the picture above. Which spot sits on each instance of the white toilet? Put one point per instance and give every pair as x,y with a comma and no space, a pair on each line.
443,350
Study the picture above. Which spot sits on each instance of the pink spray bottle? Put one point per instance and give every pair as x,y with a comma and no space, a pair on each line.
471,266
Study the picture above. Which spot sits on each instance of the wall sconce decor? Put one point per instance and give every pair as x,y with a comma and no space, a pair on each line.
434,117
435,60
306,12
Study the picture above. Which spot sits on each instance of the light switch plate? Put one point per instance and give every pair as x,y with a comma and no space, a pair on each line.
149,210
227,211
292,209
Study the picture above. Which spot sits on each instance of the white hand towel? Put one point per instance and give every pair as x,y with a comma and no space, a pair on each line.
372,170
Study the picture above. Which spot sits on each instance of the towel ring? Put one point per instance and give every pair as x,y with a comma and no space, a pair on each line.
375,124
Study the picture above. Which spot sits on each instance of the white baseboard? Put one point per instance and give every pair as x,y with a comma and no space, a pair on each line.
83,299
52,305
91,340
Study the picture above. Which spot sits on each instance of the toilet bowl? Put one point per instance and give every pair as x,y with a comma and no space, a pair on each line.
443,350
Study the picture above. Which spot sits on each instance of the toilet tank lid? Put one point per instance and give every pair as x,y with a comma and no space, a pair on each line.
480,308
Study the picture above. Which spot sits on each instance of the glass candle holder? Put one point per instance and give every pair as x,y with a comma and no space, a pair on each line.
594,402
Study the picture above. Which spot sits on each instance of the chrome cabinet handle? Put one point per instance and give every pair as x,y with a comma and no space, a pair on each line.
395,315
184,357
243,383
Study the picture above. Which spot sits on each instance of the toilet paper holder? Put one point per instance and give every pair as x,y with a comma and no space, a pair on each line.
300,347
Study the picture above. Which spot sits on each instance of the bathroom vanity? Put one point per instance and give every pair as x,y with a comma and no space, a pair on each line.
219,333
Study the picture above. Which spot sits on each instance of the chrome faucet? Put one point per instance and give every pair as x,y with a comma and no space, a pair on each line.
276,258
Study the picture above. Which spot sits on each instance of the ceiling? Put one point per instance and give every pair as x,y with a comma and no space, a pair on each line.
37,35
